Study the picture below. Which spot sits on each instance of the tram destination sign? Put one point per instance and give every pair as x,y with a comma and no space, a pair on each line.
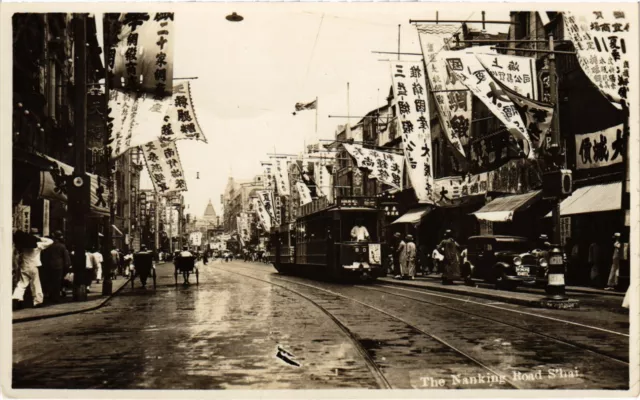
358,202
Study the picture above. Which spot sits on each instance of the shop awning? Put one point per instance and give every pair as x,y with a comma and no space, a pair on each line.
115,228
413,216
590,199
503,208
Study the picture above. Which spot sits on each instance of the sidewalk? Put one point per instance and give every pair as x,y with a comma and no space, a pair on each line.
95,300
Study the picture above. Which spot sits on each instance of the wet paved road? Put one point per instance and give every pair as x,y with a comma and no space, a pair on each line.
224,333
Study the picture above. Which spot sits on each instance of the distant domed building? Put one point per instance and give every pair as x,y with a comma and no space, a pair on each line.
210,216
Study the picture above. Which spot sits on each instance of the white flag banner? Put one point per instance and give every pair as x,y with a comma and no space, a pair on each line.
324,180
182,122
266,199
164,167
304,192
413,121
263,215
516,73
281,173
453,99
123,108
602,40
148,123
599,149
474,76
267,175
385,167
53,186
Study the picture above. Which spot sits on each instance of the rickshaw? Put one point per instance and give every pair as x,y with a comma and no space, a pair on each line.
186,266
142,261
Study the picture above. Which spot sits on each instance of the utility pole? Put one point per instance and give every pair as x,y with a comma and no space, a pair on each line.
156,224
555,146
80,181
107,285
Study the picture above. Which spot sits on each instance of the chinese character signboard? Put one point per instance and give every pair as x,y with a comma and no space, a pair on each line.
164,167
282,176
264,216
467,68
601,40
385,167
599,149
267,169
266,201
456,190
516,73
452,98
304,192
145,50
413,121
182,122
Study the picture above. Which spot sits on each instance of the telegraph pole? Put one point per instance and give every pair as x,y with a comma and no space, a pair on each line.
79,207
107,285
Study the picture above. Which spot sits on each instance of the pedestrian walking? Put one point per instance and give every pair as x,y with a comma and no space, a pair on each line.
451,252
402,258
98,260
398,247
612,283
90,269
143,263
410,250
30,247
115,262
436,259
57,263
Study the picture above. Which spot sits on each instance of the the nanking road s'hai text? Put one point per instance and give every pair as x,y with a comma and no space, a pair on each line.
488,378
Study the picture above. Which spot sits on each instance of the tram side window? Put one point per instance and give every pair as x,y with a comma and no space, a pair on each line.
349,220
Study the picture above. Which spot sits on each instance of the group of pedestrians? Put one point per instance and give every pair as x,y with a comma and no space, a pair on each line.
446,257
43,265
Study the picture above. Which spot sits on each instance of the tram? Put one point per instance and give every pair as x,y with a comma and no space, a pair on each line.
320,240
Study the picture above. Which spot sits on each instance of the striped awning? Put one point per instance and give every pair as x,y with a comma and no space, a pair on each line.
591,199
503,208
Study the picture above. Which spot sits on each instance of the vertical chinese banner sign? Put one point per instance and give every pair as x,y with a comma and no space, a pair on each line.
601,40
467,68
305,193
413,121
282,176
267,175
164,167
516,73
182,116
452,98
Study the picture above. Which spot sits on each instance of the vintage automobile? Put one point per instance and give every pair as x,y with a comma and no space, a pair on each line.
506,261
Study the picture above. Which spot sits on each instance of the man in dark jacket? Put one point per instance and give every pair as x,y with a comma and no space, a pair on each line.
57,264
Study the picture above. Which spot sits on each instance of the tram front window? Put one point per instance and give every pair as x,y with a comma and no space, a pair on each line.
355,228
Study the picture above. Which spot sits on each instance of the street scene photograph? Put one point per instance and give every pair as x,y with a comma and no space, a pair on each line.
249,197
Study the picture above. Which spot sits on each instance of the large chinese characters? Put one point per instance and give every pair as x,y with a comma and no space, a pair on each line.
453,99
601,40
164,166
413,121
384,166
281,174
468,69
600,149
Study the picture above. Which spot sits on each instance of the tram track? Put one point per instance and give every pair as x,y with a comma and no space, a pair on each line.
457,310
373,366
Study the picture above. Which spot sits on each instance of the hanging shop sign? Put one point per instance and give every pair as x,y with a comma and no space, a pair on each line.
413,121
53,186
475,77
265,214
267,175
182,122
266,200
515,72
143,57
599,149
46,213
602,40
304,192
452,98
164,167
457,190
281,174
385,167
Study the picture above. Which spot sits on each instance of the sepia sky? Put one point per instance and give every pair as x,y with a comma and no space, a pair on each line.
251,74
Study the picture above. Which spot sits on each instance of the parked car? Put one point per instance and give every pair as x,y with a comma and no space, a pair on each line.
506,261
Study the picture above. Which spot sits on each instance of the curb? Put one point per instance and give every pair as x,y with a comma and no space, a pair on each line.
65,313
537,303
